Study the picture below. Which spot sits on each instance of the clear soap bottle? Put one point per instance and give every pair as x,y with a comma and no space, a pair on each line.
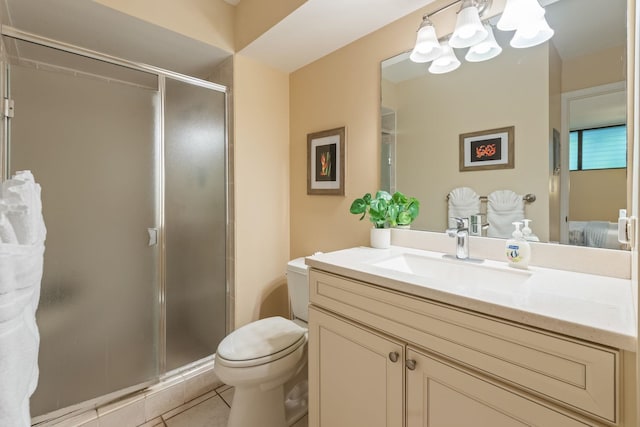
517,248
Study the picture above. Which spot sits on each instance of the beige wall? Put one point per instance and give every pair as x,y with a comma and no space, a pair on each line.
210,21
339,90
433,110
555,123
343,89
594,70
597,195
261,190
254,17
608,187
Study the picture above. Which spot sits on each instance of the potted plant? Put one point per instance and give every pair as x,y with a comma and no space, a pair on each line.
403,210
386,211
378,209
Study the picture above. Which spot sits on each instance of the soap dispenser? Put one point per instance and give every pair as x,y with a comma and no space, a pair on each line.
517,248
527,233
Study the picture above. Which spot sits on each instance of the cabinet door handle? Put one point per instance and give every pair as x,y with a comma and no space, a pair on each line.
394,356
411,364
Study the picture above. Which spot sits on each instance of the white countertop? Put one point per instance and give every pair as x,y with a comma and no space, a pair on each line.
594,308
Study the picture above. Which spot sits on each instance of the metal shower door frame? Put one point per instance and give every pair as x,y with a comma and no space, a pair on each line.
162,75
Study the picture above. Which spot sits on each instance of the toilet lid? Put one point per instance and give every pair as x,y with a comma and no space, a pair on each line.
260,339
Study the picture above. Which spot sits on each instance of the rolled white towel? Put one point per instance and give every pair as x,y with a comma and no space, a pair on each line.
7,234
21,262
503,208
463,202
22,196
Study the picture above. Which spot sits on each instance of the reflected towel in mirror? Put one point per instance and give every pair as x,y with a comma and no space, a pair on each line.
462,203
503,208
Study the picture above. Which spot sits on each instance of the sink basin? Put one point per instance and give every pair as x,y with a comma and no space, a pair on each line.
446,269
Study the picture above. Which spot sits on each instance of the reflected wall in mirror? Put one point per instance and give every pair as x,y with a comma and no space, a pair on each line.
565,87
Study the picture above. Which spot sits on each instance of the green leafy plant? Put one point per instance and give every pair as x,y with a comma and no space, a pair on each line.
377,207
403,209
386,209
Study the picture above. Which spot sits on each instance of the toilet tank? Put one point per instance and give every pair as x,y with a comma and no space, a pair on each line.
298,286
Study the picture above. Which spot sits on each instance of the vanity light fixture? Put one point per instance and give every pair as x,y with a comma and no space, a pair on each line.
526,17
469,30
484,50
518,11
427,46
532,33
446,62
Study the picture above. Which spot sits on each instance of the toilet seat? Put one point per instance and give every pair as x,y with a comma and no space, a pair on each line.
261,342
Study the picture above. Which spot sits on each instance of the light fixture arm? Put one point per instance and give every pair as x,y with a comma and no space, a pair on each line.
482,5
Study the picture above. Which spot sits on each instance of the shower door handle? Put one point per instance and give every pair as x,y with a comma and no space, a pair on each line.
153,236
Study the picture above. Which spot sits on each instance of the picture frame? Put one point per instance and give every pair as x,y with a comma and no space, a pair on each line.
487,150
325,162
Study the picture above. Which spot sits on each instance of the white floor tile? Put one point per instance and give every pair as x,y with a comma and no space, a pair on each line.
164,399
123,413
227,395
156,422
188,405
212,412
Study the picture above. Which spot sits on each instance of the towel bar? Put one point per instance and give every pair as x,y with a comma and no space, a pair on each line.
529,198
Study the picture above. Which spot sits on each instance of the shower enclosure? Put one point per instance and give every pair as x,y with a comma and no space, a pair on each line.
132,163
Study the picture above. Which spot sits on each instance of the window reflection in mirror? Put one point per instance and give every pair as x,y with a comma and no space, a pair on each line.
573,86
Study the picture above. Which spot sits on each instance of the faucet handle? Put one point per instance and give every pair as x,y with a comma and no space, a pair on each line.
461,222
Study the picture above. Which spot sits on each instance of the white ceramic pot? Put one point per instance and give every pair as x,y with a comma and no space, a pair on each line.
380,238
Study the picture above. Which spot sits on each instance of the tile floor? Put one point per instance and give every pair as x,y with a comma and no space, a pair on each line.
209,410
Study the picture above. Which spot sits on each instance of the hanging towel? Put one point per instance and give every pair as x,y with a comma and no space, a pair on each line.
595,234
21,259
463,202
503,208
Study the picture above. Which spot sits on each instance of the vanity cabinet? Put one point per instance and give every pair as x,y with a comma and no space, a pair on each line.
440,394
453,367
359,374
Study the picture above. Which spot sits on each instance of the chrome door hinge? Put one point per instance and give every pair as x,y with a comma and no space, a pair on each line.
8,108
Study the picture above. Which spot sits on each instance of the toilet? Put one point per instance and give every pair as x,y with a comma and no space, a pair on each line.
266,362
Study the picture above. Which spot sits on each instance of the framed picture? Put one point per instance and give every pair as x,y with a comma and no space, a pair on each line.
325,162
487,149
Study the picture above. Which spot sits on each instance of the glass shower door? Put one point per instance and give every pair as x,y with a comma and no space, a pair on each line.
88,131
195,221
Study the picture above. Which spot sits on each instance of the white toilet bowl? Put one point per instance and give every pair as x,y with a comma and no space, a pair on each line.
266,362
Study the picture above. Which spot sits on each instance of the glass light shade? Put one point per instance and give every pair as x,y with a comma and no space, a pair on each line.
486,49
427,46
518,11
531,34
469,29
446,62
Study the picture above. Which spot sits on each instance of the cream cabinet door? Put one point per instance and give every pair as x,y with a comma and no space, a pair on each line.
440,394
355,375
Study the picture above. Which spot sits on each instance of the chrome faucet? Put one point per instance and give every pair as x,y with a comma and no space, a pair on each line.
461,233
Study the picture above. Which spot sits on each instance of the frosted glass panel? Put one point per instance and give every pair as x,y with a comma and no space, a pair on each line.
90,142
195,220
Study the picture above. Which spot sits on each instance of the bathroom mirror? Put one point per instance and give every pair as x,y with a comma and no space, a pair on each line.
575,82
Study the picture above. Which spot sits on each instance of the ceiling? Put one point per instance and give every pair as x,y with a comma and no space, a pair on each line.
96,27
319,27
315,29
